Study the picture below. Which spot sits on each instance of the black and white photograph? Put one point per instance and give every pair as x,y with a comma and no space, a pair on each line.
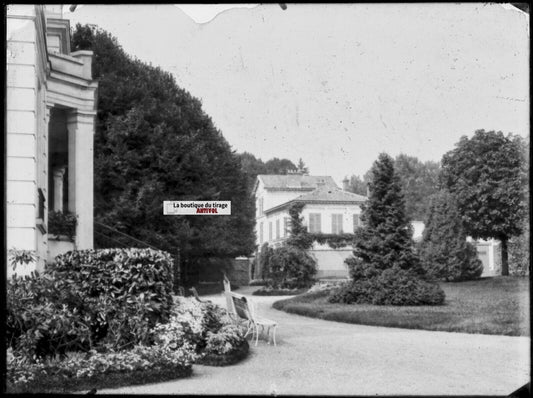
321,199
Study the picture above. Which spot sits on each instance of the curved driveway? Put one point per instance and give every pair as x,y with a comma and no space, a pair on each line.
318,357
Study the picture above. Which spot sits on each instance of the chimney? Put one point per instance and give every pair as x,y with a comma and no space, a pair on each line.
345,184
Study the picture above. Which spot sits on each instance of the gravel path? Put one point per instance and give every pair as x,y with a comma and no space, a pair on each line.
317,357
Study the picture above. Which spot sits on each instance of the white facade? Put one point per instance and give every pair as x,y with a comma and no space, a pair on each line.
50,110
337,214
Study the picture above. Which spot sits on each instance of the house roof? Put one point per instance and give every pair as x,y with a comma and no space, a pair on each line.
328,194
294,181
323,194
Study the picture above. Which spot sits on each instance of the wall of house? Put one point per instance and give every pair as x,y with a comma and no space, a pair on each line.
327,210
38,81
330,262
26,128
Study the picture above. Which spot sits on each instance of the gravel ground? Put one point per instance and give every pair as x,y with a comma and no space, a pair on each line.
317,357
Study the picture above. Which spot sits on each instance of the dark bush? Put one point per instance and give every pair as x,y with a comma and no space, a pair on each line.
519,251
122,274
393,286
39,326
444,251
264,260
89,299
291,268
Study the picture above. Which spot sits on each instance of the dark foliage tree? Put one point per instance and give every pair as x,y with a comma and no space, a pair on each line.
265,253
253,166
279,166
153,142
486,174
302,168
383,248
444,251
299,237
519,246
419,181
290,268
358,185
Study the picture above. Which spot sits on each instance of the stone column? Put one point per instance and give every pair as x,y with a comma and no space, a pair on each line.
80,175
59,172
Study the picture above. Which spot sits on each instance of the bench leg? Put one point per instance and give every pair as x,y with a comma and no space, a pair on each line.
274,334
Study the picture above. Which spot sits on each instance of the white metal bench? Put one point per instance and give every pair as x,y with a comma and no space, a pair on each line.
241,307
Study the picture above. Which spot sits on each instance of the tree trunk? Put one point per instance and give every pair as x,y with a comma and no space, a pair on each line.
505,259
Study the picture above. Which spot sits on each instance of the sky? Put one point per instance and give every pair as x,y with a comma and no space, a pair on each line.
337,84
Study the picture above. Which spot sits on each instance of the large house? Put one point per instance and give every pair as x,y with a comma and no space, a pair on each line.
50,111
328,210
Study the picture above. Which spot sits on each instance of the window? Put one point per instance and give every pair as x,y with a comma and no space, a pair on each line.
270,231
277,229
336,223
356,221
260,232
286,226
260,206
314,223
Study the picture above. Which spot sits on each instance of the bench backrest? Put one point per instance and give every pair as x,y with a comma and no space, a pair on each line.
241,305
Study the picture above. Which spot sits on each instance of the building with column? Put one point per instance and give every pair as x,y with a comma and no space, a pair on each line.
49,124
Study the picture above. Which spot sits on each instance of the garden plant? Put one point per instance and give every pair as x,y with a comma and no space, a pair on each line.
385,268
107,318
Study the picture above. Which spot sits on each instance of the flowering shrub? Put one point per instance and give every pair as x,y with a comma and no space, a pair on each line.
225,340
20,371
205,324
194,331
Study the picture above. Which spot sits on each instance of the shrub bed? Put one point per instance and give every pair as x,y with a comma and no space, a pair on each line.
98,370
106,318
391,287
269,291
218,340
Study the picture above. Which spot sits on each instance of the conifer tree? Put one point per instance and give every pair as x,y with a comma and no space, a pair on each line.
385,268
385,240
444,251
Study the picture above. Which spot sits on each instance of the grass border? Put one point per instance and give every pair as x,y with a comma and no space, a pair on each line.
488,306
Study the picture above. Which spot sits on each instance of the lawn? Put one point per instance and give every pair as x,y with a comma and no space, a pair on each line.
495,305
